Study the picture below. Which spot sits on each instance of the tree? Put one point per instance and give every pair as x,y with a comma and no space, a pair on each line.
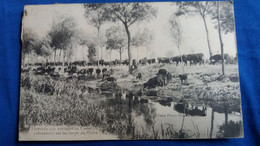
176,34
143,38
222,12
29,40
61,35
200,8
128,14
97,16
92,51
116,39
42,49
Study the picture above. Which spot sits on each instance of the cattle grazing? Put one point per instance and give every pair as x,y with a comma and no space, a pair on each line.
176,59
197,58
168,77
104,70
185,59
49,70
90,71
165,102
218,57
111,79
142,100
71,70
143,61
82,72
154,82
139,76
56,73
133,66
183,77
106,73
98,71
163,73
192,58
125,62
163,60
153,60
149,61
40,70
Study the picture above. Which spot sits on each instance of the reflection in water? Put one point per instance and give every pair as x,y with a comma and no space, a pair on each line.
126,110
212,123
230,129
138,117
183,107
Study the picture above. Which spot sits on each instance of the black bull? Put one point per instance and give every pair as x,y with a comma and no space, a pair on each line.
192,58
215,58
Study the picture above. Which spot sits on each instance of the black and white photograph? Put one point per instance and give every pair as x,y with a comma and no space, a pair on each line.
129,71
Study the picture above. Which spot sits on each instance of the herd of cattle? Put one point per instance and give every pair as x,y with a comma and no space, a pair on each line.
192,59
55,69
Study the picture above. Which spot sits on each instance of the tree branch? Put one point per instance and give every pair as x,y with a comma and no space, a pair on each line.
132,22
119,17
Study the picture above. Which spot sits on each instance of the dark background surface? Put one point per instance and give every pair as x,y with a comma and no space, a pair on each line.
247,19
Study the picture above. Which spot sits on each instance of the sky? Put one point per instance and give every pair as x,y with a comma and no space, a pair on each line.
40,19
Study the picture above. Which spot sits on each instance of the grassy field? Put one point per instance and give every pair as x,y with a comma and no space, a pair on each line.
46,101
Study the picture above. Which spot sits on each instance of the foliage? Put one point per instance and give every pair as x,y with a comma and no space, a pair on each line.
92,51
96,14
33,44
232,129
226,16
29,41
193,8
115,38
128,14
142,38
61,34
175,31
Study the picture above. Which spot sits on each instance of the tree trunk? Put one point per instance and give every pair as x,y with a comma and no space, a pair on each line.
120,53
207,35
221,42
147,51
226,121
55,55
98,47
128,47
63,60
76,52
181,59
212,123
110,57
137,52
37,58
60,56
23,59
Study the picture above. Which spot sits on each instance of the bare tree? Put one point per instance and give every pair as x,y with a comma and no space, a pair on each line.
29,42
61,36
143,38
92,51
200,8
129,14
42,49
222,13
97,16
116,39
176,34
